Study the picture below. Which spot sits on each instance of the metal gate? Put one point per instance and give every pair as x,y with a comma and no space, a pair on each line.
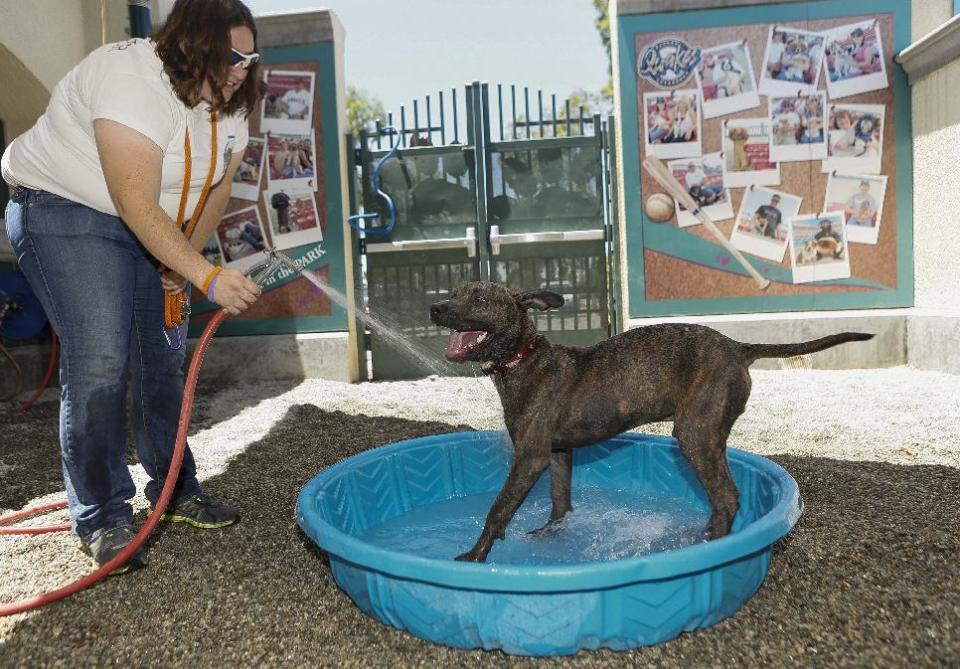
532,210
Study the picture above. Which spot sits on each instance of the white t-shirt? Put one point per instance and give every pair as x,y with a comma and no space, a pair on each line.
695,178
297,102
122,82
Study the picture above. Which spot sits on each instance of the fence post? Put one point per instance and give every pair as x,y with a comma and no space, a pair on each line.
480,127
617,313
363,345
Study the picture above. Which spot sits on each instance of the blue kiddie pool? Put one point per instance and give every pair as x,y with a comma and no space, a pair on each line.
630,566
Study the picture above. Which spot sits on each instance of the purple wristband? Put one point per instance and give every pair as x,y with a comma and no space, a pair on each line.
213,285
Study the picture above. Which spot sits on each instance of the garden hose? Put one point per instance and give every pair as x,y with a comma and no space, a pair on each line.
102,572
51,365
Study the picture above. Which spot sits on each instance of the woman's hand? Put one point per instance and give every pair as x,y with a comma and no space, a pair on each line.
171,281
234,292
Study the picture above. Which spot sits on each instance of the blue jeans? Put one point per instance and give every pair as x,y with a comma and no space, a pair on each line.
101,291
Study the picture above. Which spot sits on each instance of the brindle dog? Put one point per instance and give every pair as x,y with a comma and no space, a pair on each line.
557,398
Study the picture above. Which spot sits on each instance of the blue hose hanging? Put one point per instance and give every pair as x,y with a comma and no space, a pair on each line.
391,208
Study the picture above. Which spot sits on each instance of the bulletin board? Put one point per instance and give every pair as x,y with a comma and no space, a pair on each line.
294,155
790,124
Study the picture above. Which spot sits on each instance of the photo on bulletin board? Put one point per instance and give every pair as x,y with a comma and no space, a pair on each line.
746,153
725,79
855,138
211,251
672,124
293,216
240,236
799,125
703,179
854,60
291,161
818,247
791,62
761,225
246,182
288,103
860,198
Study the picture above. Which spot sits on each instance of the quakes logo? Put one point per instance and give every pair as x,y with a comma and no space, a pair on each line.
668,62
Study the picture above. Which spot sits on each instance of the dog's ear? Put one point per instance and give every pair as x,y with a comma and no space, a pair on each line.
540,299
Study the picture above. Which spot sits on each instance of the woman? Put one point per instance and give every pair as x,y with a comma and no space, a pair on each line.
842,134
98,201
658,121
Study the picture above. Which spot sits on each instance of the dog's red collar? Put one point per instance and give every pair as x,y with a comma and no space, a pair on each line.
513,360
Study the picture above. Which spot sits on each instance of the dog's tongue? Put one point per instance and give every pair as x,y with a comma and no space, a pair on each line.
460,343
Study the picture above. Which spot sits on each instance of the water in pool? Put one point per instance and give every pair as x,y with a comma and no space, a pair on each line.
604,525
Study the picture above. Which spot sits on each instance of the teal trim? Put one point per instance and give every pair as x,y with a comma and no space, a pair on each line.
323,54
643,233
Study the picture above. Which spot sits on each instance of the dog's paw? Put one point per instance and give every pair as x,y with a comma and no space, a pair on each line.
470,556
550,529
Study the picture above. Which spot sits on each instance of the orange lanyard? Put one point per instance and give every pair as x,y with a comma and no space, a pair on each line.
175,305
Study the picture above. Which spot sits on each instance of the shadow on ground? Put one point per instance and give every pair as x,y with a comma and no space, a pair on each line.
867,578
30,447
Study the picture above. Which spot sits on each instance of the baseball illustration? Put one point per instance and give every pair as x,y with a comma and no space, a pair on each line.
659,207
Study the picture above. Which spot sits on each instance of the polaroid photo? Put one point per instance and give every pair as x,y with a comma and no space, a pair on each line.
746,153
725,79
799,127
703,179
818,247
240,236
860,198
291,161
672,124
791,62
854,60
211,251
288,104
293,216
246,182
854,139
761,224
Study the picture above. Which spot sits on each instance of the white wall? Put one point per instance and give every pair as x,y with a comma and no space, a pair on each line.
926,15
29,30
51,36
936,185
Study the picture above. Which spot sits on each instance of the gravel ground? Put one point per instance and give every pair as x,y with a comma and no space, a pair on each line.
867,578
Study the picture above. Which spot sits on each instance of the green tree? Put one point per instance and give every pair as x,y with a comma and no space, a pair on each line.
602,24
362,110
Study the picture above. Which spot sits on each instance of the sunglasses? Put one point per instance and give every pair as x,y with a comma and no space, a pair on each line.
242,60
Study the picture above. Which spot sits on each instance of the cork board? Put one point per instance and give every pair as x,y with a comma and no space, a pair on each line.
294,297
685,262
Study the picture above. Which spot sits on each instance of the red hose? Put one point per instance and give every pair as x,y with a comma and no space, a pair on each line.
19,372
43,384
26,513
185,410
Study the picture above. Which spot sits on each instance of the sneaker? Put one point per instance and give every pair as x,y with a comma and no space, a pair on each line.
201,510
106,545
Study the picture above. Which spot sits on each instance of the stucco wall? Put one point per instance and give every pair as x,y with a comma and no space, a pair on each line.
51,36
926,15
936,185
936,188
20,110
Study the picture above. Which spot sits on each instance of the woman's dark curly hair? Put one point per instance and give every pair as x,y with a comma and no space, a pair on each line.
194,45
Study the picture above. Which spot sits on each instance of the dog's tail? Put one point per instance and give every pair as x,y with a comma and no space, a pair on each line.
751,352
